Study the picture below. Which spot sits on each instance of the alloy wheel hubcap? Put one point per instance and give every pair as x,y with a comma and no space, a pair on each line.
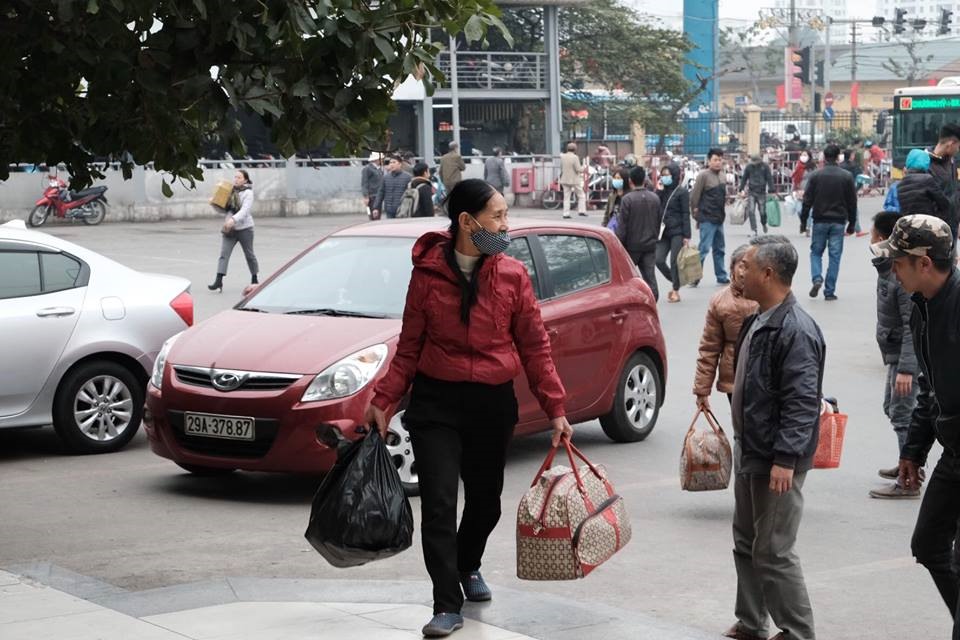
640,396
401,449
103,408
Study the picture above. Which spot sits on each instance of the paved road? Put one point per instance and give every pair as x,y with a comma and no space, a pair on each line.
137,521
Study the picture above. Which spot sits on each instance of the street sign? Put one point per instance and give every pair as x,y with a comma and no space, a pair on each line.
828,114
828,99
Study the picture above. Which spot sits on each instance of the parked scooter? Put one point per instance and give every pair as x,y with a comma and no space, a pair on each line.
89,205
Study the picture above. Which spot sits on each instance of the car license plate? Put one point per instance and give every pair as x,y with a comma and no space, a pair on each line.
214,426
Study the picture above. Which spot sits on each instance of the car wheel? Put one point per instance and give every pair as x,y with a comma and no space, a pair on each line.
401,451
98,407
637,403
205,472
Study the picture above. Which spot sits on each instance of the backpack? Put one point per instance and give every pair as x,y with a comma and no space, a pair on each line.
409,202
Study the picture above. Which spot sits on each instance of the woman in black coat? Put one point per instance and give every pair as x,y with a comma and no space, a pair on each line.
675,205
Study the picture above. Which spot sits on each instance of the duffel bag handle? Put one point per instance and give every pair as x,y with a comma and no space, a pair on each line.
711,420
571,451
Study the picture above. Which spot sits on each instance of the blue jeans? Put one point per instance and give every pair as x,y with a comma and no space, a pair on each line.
711,237
829,236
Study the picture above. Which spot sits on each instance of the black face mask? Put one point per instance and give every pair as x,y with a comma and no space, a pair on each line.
490,243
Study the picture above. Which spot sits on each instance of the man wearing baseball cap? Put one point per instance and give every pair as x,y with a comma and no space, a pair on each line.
921,247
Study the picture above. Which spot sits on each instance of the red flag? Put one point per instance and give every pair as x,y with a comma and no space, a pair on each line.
855,95
781,96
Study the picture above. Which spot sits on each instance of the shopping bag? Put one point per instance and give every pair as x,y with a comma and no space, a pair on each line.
570,520
833,427
360,512
790,205
773,212
739,214
706,459
689,265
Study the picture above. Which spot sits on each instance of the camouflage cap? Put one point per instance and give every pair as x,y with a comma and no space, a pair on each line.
917,235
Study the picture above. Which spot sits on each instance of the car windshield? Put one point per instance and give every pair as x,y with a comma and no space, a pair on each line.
342,276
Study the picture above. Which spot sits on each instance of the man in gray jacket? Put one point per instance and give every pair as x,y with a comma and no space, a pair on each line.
370,179
495,171
778,365
391,190
894,308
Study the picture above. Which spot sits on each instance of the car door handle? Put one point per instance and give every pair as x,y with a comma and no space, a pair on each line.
619,315
56,312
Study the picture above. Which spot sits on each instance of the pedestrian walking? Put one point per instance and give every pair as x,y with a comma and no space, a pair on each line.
451,167
571,180
725,315
619,185
775,408
755,183
922,251
802,172
832,197
238,228
708,204
894,308
389,196
495,171
943,167
675,205
370,179
421,182
918,191
470,312
638,227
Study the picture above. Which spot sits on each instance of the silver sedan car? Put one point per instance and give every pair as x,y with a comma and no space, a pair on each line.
78,337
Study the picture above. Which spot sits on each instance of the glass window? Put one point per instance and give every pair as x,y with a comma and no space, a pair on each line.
570,263
59,271
21,274
520,249
352,275
601,260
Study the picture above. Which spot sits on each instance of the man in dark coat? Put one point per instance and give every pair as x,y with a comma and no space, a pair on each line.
391,190
638,227
943,167
755,184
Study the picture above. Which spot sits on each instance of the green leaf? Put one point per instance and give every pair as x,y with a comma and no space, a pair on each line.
165,188
474,28
201,8
385,48
93,7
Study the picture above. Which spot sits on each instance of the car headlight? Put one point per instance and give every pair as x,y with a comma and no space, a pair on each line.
348,376
156,379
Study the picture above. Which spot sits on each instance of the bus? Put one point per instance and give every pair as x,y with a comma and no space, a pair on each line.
918,114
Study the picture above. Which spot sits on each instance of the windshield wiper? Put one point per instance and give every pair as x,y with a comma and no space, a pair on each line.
253,309
334,312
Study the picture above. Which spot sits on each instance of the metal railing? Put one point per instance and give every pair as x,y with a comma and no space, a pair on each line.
495,70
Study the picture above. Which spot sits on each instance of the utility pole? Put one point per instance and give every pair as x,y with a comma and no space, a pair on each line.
826,58
853,54
454,90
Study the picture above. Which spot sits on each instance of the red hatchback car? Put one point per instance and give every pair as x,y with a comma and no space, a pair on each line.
275,383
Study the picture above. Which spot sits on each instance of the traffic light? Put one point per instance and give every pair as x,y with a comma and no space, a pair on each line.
801,62
899,24
878,21
945,20
818,74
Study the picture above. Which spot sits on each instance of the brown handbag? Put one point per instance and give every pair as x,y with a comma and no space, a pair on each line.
706,459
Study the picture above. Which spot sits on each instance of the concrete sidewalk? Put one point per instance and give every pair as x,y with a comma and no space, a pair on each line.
44,602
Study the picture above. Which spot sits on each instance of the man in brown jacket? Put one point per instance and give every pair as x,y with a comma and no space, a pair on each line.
571,180
725,315
452,167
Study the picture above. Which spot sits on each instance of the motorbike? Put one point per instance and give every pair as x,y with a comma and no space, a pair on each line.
89,205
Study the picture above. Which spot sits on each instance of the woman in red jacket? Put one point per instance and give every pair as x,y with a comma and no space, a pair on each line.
470,325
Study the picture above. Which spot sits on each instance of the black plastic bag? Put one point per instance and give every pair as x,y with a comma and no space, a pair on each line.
360,512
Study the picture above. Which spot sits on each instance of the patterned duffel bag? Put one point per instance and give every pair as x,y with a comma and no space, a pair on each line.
570,521
706,459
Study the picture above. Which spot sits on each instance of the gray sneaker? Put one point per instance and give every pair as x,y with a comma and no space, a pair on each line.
894,492
890,474
442,625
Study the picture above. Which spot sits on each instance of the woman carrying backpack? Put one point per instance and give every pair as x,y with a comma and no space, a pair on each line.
421,182
470,325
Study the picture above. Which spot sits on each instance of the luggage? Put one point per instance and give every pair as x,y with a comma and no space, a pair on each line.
570,521
360,512
773,211
739,214
833,427
706,460
222,193
689,265
409,202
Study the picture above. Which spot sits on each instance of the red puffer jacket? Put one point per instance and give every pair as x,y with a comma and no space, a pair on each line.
505,331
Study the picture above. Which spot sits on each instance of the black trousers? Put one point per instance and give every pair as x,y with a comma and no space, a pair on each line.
934,543
459,431
646,263
670,246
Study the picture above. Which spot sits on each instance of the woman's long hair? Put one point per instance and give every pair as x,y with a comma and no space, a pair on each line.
467,196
